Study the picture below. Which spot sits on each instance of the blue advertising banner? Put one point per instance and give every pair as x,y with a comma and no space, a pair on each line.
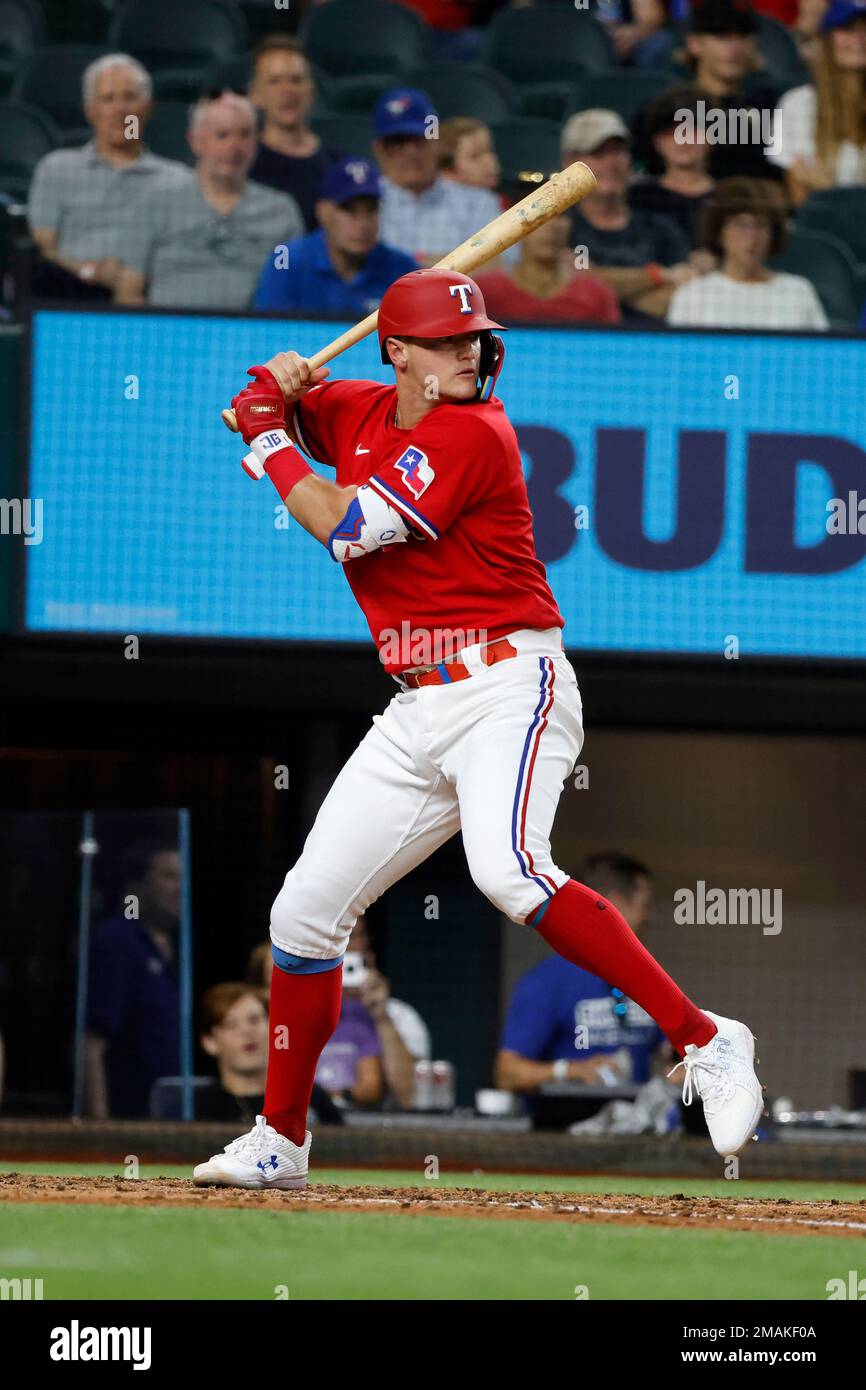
687,487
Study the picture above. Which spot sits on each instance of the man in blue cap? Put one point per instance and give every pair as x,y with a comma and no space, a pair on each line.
423,214
342,267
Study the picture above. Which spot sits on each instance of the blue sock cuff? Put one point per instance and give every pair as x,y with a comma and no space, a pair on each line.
302,965
535,916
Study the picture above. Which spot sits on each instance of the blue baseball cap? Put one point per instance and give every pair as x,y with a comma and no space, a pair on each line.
352,177
841,12
402,111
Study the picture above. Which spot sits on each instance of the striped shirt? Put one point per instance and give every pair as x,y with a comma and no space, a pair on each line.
430,224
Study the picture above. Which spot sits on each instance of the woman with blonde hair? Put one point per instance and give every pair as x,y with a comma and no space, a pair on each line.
821,127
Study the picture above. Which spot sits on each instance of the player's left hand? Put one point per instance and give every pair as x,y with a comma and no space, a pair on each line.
292,373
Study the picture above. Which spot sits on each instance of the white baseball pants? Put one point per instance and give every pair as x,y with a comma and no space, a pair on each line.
487,755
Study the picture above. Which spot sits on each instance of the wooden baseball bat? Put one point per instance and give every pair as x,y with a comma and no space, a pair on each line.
561,191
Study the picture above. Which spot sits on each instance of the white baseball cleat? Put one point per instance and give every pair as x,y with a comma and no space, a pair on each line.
722,1074
261,1159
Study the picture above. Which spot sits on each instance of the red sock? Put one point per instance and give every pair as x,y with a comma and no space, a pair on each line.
304,1011
588,930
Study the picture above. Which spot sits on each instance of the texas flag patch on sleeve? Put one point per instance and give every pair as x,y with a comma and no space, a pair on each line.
415,467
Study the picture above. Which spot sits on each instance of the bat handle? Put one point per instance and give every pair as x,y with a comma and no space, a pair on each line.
229,419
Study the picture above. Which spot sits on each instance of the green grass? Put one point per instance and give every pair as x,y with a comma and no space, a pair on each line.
91,1252
805,1191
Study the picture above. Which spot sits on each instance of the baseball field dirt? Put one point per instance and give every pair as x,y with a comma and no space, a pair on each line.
779,1215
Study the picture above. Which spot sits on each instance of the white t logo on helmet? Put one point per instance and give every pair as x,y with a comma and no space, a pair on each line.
464,291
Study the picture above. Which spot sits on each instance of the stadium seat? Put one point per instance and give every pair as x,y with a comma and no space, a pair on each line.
358,93
166,131
77,21
841,212
263,18
51,79
347,37
528,149
26,134
545,43
167,36
547,99
232,72
74,137
345,132
467,89
619,89
778,48
827,262
179,84
22,28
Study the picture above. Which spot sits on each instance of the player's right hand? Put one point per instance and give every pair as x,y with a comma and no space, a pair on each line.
260,406
293,375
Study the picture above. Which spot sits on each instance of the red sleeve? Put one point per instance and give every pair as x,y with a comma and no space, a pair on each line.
607,305
452,460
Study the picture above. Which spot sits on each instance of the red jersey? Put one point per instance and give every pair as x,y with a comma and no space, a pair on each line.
457,480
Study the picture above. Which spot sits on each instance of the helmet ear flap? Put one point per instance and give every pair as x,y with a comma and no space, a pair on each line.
490,364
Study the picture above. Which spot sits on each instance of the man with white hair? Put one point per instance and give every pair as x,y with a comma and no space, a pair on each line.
85,204
202,243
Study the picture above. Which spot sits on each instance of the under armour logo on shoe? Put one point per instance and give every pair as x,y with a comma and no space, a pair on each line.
273,1161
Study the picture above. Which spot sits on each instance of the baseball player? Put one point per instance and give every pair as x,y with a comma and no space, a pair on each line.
428,514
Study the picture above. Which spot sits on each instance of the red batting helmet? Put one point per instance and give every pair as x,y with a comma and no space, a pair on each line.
437,303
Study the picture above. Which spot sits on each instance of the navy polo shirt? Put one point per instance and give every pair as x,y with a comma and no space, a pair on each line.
310,284
133,1001
554,998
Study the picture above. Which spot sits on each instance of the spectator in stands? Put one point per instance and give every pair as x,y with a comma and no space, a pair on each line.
452,38
202,244
823,124
722,52
743,224
260,966
680,190
133,1004
85,204
403,1034
467,153
544,284
637,28
379,1038
290,157
806,25
350,1068
234,1032
564,1024
642,256
422,213
342,267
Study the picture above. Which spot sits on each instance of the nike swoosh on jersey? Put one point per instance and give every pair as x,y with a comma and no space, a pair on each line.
360,450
